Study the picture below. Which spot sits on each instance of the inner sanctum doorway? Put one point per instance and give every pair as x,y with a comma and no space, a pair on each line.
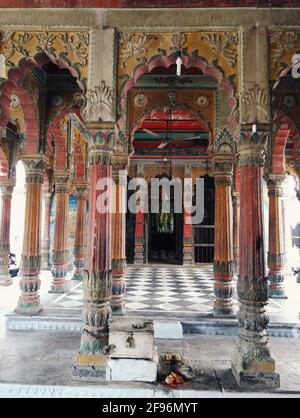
164,229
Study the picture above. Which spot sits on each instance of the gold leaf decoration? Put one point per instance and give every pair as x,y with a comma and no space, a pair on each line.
133,45
223,43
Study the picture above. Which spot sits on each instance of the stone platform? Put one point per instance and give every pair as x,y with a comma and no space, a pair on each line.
160,292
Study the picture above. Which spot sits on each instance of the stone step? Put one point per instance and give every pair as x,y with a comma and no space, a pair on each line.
164,329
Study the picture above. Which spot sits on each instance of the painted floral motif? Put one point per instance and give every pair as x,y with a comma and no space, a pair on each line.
224,44
140,100
14,101
178,40
133,45
282,42
203,101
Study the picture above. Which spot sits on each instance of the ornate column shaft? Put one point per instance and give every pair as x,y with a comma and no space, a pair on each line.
252,364
6,189
119,242
223,255
97,284
139,240
276,244
236,229
29,301
188,238
60,239
80,236
46,265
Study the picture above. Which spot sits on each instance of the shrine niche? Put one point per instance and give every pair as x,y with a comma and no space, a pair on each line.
149,60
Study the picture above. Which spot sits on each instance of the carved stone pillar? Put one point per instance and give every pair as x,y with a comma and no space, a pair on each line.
46,265
6,189
80,236
119,242
252,364
276,244
60,239
29,301
97,284
223,255
236,229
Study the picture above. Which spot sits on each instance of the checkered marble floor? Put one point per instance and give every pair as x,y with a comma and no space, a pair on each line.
179,291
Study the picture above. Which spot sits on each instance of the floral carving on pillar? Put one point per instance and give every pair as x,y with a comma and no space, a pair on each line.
100,103
255,105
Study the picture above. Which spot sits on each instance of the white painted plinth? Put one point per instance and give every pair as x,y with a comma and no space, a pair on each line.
133,370
168,330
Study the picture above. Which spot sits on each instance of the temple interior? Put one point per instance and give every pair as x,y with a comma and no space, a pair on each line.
150,197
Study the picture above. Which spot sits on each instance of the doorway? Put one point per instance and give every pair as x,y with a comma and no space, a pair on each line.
164,229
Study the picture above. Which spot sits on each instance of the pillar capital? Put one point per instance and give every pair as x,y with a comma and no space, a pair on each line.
35,165
81,191
252,148
275,184
7,187
101,146
62,182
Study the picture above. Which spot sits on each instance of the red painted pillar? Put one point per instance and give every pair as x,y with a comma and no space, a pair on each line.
223,254
46,265
60,239
80,235
29,301
119,241
236,229
276,244
6,189
97,284
252,364
188,240
139,241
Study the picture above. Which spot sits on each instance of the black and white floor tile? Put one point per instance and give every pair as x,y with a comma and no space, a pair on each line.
175,290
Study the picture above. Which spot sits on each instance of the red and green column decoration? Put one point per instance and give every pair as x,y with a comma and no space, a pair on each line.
29,301
92,359
6,190
252,364
46,265
276,256
236,229
119,239
223,265
139,240
80,236
188,238
60,238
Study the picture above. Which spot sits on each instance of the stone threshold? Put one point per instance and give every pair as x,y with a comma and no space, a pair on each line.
201,326
123,390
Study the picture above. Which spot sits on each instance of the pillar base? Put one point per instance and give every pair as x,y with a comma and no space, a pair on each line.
57,289
223,312
92,366
78,275
30,310
253,367
118,310
277,294
254,381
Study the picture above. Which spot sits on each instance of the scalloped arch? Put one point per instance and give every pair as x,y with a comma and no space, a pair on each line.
188,62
